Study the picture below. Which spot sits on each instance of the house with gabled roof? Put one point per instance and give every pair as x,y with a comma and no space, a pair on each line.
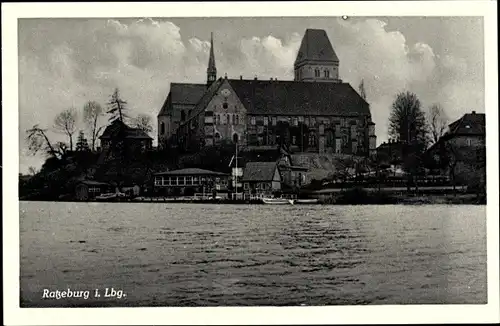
461,151
261,178
134,140
315,112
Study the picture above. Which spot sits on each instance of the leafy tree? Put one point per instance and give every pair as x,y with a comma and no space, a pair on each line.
144,123
407,123
92,111
65,122
117,107
437,122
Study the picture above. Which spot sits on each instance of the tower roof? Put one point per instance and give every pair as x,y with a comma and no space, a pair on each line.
316,46
211,59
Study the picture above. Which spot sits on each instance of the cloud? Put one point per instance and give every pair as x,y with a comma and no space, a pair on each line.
64,63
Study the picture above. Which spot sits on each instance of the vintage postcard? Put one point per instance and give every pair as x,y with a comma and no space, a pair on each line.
250,163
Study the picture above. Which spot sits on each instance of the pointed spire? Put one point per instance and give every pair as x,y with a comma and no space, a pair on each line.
211,70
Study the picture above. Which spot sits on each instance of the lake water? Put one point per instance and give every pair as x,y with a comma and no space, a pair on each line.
235,255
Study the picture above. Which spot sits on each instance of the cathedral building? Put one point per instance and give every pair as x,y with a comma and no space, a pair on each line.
315,112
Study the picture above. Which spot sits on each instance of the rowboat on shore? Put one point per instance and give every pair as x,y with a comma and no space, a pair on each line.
306,201
277,201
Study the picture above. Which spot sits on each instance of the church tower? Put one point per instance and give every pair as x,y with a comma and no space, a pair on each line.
316,60
211,70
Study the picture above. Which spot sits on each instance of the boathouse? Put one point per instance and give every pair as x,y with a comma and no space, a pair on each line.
188,182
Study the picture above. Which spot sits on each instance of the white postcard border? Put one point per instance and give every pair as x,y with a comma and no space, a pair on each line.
388,314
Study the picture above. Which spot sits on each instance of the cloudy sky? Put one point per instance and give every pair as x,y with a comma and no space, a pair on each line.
65,62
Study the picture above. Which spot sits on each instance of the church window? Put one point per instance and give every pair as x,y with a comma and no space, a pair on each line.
266,121
316,72
237,119
224,105
162,128
327,73
330,140
252,121
312,139
273,121
189,114
183,115
235,138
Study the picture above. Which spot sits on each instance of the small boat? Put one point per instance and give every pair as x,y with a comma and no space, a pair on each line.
306,201
277,201
108,196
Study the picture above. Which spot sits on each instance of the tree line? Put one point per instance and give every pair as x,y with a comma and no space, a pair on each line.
67,121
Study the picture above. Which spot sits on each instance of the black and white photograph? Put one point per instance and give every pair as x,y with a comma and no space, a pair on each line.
192,157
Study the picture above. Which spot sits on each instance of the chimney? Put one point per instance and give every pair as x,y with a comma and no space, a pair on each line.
473,112
241,77
255,78
225,75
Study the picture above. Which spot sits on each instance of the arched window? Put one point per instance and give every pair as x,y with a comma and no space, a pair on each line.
317,72
162,128
235,138
237,119
183,115
327,73
189,114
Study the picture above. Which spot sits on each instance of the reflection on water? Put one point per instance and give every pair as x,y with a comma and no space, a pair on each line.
207,255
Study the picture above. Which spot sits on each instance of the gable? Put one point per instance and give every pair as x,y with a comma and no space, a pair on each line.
225,94
277,175
183,94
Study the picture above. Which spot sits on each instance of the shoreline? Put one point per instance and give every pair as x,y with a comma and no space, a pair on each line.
458,199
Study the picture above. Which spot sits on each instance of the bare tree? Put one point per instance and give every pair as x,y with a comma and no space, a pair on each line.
65,122
38,141
437,122
144,123
92,111
32,170
117,107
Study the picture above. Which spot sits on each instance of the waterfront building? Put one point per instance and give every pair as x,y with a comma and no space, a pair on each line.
187,182
89,189
261,179
315,112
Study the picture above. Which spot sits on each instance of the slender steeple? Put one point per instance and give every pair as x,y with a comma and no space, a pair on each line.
211,70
